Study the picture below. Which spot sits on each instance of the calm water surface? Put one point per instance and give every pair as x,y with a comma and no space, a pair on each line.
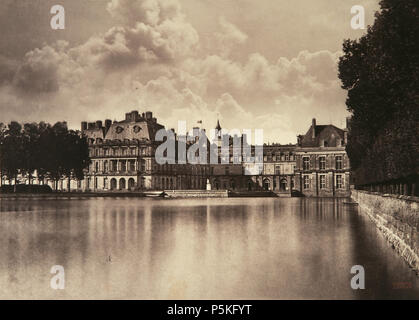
251,248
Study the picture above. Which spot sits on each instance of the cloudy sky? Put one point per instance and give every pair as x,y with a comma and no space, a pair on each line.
268,64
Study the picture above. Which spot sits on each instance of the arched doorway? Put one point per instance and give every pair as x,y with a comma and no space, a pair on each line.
131,184
283,184
122,184
266,184
113,184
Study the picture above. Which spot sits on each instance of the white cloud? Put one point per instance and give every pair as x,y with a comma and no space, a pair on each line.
149,60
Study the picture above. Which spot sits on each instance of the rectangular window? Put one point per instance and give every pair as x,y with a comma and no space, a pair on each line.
339,182
338,162
306,163
306,180
277,170
322,163
287,157
322,181
114,165
132,165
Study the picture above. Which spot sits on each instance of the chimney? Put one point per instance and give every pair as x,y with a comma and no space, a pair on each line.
299,140
345,137
91,125
134,115
348,121
244,139
313,127
148,115
108,124
99,124
195,133
83,126
128,116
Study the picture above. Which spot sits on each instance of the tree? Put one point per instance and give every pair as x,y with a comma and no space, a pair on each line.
77,158
53,151
31,149
2,133
13,151
381,73
68,153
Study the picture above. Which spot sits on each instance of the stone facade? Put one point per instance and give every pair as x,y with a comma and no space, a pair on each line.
322,165
277,172
123,158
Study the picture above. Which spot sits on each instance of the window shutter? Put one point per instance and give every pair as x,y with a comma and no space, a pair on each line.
312,162
329,162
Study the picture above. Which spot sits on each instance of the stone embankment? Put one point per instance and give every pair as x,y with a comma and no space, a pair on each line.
398,219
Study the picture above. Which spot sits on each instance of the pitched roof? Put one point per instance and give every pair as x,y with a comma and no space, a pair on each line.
323,133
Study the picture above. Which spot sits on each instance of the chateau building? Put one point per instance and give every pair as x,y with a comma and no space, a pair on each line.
275,168
322,165
123,158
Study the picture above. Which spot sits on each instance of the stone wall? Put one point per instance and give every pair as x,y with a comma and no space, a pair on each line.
197,193
397,217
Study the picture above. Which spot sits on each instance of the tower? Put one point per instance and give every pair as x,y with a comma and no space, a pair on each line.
218,133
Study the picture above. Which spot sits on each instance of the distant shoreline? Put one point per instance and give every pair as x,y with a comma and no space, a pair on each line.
73,194
171,194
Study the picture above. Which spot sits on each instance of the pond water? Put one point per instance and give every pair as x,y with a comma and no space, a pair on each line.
235,248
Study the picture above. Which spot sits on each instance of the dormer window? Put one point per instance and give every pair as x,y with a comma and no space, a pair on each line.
119,129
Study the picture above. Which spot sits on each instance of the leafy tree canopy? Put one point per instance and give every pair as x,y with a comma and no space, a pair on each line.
380,71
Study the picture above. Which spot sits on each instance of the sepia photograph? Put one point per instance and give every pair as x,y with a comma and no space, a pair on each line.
209,150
